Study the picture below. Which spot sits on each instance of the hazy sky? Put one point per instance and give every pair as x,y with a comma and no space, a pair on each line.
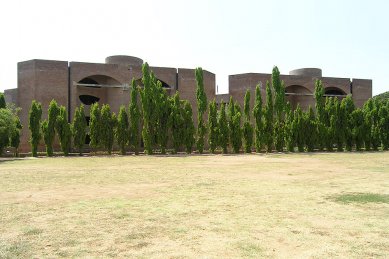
346,38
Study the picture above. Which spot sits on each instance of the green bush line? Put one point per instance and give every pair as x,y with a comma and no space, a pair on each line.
157,119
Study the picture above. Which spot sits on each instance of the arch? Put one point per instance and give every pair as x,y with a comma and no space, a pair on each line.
98,81
88,99
298,94
164,84
296,89
334,91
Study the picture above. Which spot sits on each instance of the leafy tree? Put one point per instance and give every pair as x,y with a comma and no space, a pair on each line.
121,132
212,127
48,127
247,127
347,106
7,128
189,129
257,112
79,128
63,129
268,122
95,126
223,128
201,109
35,115
108,124
15,135
135,117
2,101
177,123
383,125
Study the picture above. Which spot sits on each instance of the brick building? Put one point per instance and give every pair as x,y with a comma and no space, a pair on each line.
73,83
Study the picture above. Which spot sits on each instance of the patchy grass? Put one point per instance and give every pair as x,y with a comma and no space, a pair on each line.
196,206
362,198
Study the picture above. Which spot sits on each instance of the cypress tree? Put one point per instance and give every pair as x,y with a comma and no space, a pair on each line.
358,128
189,129
108,124
330,123
35,115
236,140
320,114
122,131
176,123
135,117
289,128
340,128
48,127
95,126
299,130
230,115
163,113
148,108
268,122
223,128
279,108
63,129
2,101
201,108
348,107
257,112
79,129
247,127
212,127
310,129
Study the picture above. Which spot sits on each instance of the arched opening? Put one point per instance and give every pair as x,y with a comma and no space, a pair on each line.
333,91
298,94
164,84
88,99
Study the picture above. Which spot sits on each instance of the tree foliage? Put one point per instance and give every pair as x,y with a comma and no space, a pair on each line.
34,125
78,128
223,128
212,126
2,101
48,127
63,130
108,124
95,126
189,129
247,127
122,130
201,109
268,120
258,120
135,117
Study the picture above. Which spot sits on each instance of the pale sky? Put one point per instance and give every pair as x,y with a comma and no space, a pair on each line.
345,38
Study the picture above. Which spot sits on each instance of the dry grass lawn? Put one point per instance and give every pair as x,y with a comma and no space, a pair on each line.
280,205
